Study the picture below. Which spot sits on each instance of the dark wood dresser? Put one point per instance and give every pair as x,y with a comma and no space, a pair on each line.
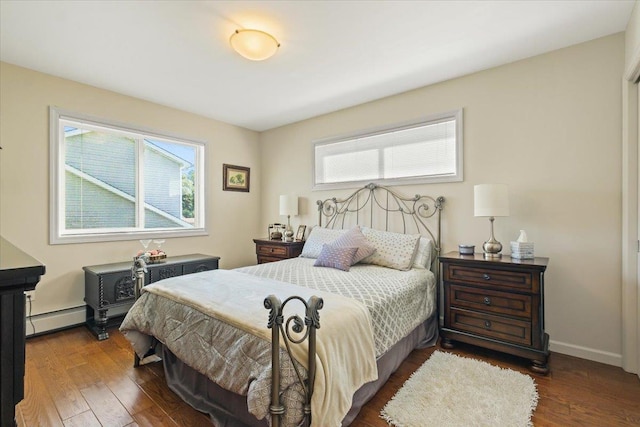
276,250
109,288
497,304
19,272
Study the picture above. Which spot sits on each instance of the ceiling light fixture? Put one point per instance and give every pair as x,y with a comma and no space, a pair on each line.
255,45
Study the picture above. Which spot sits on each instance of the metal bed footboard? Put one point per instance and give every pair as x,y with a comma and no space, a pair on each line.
282,329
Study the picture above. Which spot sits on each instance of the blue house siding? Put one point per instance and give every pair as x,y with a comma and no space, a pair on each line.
83,212
160,171
91,206
90,151
103,197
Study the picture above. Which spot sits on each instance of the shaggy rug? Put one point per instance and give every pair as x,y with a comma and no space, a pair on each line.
448,390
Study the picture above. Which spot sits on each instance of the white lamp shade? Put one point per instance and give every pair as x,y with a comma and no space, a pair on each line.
288,205
491,200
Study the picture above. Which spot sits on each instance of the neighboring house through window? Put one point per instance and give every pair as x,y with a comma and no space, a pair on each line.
111,182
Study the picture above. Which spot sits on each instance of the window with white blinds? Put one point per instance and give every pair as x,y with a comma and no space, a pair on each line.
419,152
111,182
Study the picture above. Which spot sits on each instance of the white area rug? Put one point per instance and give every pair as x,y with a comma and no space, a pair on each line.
448,390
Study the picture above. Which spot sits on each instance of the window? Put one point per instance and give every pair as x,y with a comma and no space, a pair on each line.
110,182
418,152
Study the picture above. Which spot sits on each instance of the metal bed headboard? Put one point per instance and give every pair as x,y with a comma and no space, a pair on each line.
381,207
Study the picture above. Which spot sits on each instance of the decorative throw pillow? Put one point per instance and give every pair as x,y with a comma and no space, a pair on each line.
336,257
355,239
424,254
393,250
318,237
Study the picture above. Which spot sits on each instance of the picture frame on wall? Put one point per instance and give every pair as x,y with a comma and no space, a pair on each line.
300,233
236,178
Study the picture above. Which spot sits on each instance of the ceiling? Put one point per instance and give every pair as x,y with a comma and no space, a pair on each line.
333,54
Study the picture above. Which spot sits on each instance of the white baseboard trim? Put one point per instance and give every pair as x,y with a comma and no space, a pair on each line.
586,353
56,320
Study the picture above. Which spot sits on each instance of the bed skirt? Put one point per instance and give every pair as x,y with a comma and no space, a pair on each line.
228,409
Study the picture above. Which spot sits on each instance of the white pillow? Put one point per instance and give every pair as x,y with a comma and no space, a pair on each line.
424,254
393,250
319,236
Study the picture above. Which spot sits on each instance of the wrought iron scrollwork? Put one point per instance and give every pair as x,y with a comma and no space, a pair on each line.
384,204
285,329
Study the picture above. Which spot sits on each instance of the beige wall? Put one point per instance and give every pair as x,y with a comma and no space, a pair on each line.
630,260
24,180
632,37
550,127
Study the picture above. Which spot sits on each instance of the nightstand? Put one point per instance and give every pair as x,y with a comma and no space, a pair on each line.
276,250
497,304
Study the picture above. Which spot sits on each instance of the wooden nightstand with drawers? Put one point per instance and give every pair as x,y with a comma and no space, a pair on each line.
276,250
497,304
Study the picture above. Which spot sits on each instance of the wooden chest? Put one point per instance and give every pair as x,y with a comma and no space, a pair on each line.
109,288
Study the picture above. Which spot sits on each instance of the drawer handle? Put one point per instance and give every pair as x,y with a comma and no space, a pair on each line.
487,301
487,324
485,276
271,250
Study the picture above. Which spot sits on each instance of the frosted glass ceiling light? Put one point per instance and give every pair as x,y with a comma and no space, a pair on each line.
255,45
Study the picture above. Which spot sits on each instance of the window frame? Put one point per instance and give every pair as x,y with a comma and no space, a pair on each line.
57,167
456,115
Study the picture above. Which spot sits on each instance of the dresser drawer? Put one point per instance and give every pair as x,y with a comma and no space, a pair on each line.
490,277
163,271
276,250
490,326
268,250
490,301
109,289
197,267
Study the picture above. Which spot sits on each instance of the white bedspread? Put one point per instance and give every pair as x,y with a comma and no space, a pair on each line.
345,355
398,301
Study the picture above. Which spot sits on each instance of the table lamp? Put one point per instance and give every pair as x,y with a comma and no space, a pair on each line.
288,207
491,200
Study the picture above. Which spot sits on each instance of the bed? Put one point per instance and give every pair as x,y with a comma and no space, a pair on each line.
210,328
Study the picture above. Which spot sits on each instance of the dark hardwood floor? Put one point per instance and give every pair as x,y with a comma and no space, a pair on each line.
74,380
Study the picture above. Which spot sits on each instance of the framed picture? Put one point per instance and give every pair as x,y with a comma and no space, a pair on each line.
235,178
300,233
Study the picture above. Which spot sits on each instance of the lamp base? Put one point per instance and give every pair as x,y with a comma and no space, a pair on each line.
492,248
288,235
488,255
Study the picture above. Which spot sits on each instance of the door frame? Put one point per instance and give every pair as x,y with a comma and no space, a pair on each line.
630,218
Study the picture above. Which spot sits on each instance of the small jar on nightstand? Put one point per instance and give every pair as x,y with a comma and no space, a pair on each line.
276,250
